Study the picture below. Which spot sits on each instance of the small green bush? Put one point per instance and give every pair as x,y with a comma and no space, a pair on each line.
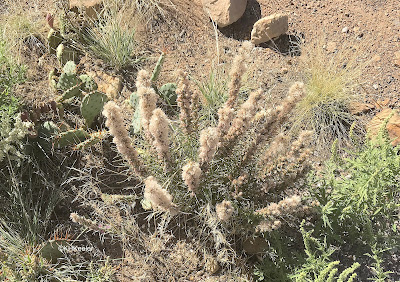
358,201
361,189
11,73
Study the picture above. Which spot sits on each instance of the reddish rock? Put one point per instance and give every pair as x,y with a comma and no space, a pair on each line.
393,126
224,12
360,108
269,27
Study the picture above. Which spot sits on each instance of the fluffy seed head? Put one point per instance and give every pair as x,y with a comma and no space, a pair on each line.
116,125
143,79
191,173
224,210
160,198
209,139
158,128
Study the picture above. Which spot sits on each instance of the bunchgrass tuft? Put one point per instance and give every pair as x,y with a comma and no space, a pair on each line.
331,80
111,39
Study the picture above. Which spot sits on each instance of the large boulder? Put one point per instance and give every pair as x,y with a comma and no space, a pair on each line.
224,12
269,27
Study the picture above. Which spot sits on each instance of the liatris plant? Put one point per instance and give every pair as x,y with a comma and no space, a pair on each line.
219,173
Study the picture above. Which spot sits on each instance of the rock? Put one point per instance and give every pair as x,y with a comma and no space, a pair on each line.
331,46
91,8
360,108
224,12
397,59
345,30
375,86
376,58
108,84
393,126
269,27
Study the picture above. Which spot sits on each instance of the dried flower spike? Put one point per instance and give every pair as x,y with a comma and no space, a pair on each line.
209,139
224,210
160,198
158,128
191,173
185,99
117,128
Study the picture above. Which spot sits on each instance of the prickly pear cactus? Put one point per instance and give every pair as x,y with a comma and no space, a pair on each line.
54,39
52,79
168,93
92,105
69,68
46,131
157,68
70,137
51,249
88,83
136,123
66,54
74,91
94,138
68,78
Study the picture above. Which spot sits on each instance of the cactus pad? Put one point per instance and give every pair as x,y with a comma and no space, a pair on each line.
52,79
51,249
74,91
67,81
168,93
54,39
66,54
88,83
157,68
69,67
92,105
95,138
70,137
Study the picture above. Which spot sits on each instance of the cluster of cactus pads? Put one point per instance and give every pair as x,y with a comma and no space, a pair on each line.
74,86
58,46
83,87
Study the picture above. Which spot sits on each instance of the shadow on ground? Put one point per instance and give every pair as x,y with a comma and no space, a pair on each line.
241,29
286,44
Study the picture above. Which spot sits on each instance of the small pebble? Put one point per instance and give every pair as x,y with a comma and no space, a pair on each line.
375,86
345,30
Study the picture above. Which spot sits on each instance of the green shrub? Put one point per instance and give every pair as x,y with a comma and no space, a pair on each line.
318,265
11,73
358,201
361,189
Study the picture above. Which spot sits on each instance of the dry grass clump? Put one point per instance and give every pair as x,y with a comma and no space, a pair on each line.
110,38
23,24
206,185
332,81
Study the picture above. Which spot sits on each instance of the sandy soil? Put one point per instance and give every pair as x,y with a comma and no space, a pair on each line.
373,30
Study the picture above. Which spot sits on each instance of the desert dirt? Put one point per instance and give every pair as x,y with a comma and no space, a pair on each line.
373,31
